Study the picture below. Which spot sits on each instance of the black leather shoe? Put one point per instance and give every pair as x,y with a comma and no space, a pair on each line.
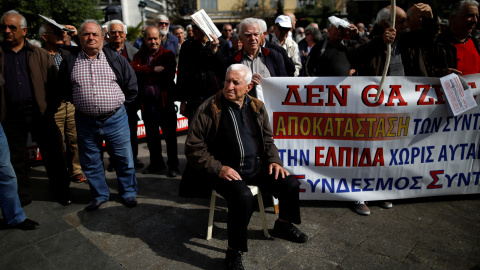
172,173
110,167
94,205
130,201
152,168
288,231
137,163
233,260
27,225
64,199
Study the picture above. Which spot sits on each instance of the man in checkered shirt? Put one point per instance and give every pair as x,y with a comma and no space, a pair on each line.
101,81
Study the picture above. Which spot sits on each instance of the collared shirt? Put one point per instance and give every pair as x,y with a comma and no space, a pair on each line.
18,87
277,41
95,90
57,58
292,51
121,49
257,65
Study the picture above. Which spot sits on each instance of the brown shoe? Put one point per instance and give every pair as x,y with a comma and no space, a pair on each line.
362,208
386,205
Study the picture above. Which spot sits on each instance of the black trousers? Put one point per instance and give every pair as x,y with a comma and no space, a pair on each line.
240,202
132,110
155,116
18,122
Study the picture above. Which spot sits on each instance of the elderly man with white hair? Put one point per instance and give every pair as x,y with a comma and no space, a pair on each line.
456,50
168,41
117,31
263,62
228,155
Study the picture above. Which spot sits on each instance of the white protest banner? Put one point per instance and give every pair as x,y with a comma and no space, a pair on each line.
341,144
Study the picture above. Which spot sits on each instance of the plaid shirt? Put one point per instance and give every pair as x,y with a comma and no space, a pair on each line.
95,90
58,59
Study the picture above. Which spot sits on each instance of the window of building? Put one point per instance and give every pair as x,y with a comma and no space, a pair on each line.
208,4
273,3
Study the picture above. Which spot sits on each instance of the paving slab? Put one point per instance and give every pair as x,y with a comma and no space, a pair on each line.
166,231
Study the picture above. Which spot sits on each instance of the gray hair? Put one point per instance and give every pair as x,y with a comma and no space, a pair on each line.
23,21
459,6
241,67
247,22
161,17
262,25
188,26
223,27
383,15
35,42
178,27
91,21
234,37
42,30
150,26
112,22
315,33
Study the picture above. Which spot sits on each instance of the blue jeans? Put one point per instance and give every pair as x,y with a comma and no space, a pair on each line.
115,132
9,202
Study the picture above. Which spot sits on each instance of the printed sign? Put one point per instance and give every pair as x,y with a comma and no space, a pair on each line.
341,144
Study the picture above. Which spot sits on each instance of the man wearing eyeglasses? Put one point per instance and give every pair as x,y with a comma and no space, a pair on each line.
168,41
99,81
263,62
29,100
118,32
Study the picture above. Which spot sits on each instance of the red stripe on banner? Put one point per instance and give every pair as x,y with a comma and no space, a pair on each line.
331,126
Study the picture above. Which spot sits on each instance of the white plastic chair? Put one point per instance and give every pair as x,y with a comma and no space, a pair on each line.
255,191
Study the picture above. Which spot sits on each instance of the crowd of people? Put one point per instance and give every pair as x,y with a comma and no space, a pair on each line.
87,85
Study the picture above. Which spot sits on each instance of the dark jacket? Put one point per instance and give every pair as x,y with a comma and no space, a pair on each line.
287,61
43,76
126,78
369,56
333,61
171,43
444,54
146,74
201,147
224,46
274,62
200,73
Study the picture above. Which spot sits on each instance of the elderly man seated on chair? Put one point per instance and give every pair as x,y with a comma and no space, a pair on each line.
230,140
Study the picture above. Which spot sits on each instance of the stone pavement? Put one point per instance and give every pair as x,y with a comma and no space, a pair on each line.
168,232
